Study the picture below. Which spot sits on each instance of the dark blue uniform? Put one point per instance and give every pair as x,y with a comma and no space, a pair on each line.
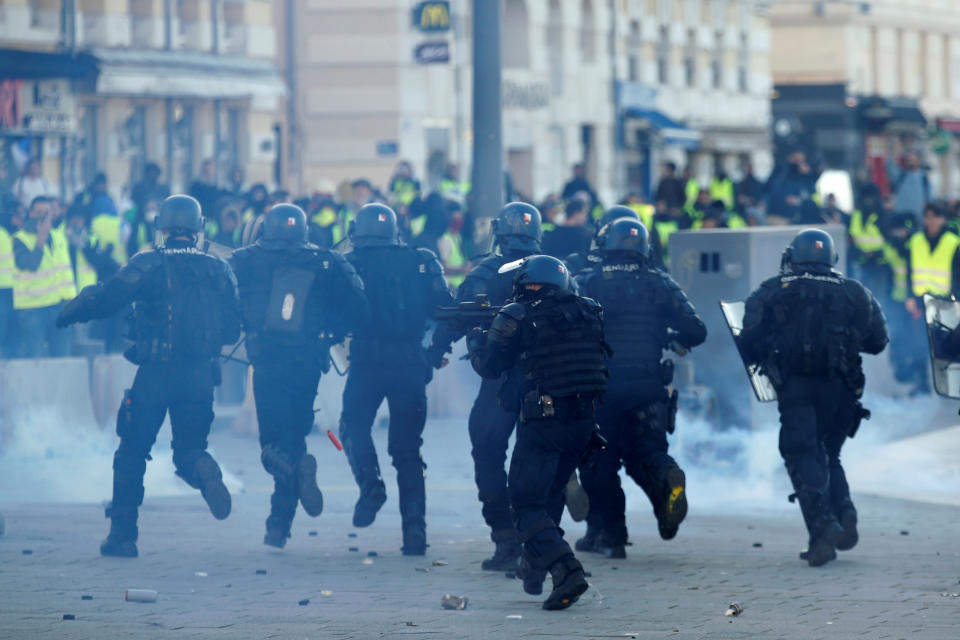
806,329
185,310
554,342
297,300
387,361
490,425
644,311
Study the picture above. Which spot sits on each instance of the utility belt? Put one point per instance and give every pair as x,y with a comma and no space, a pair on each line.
860,413
662,371
659,415
537,406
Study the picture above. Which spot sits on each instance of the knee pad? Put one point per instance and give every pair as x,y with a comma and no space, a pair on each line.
185,463
278,463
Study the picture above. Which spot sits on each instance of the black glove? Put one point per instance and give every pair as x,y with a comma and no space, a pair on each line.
476,340
67,313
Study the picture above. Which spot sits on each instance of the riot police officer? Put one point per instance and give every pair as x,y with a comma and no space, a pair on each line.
578,262
806,329
518,234
551,340
644,312
185,309
387,360
297,300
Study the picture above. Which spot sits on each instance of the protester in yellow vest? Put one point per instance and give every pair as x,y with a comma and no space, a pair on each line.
691,188
404,188
721,188
42,281
933,266
452,187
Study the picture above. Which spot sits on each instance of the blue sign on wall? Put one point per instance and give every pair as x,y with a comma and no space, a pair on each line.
432,52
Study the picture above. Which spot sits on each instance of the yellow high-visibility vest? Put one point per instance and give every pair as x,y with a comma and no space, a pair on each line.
898,267
665,229
7,264
722,190
692,189
455,260
932,270
455,189
403,193
52,282
106,228
736,221
646,212
866,235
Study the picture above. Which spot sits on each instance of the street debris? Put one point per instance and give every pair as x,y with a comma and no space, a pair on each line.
28,552
326,593
734,610
304,602
69,616
367,561
514,616
371,554
422,570
904,532
353,549
261,572
351,535
200,574
439,563
312,534
86,597
140,595
757,545
454,603
946,594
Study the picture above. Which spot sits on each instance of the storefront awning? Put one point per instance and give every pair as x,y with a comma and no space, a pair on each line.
183,74
672,132
949,124
32,65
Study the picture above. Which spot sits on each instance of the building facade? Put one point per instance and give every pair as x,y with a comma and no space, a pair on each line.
618,84
860,83
111,85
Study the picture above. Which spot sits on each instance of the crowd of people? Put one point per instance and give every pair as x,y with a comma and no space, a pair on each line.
892,230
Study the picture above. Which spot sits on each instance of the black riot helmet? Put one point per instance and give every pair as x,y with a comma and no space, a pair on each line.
375,226
180,213
615,213
285,224
180,216
546,271
518,227
812,248
625,234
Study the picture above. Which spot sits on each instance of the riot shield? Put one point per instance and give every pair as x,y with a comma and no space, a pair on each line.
942,316
762,387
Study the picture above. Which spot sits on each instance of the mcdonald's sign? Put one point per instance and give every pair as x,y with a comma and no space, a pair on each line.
432,16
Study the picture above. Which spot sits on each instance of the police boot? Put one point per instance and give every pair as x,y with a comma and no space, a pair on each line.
589,541
569,583
121,542
283,506
373,494
210,481
532,577
612,550
506,554
825,531
673,508
413,507
310,496
847,515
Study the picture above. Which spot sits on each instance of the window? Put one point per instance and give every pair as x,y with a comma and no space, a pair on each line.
555,47
516,47
743,64
588,48
690,58
663,55
634,52
716,66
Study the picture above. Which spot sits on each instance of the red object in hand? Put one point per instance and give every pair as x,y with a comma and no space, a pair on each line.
335,440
